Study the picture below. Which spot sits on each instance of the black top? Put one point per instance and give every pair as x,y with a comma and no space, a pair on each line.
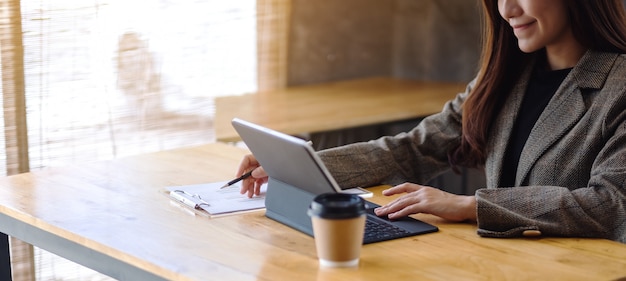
541,87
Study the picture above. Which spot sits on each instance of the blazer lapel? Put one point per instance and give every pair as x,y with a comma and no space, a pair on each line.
501,130
565,109
559,116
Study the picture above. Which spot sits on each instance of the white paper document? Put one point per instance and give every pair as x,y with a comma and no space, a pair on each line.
216,201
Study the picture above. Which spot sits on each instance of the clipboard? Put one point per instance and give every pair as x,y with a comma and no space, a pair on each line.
190,200
210,199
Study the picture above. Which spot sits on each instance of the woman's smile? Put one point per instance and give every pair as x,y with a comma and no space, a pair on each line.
523,28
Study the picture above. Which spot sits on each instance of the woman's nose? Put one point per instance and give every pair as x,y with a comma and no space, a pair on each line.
509,9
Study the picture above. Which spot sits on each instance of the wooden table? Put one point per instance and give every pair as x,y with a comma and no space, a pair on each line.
113,217
332,106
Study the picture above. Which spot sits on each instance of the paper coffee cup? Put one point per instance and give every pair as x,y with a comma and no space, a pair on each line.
338,225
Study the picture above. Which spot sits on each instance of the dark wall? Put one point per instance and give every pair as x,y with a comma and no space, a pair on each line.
417,39
339,39
436,39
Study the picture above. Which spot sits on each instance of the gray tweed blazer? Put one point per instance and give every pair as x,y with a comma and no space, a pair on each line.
572,172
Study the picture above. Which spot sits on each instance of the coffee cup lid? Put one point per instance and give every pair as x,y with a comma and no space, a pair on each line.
337,206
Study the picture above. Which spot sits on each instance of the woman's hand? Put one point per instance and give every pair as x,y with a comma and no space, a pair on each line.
252,184
428,200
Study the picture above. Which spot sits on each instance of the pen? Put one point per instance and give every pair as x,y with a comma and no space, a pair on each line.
244,176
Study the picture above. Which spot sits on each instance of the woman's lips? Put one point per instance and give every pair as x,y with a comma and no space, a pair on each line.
522,26
520,29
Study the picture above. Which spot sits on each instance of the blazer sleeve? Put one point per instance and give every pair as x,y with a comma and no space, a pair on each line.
597,209
415,156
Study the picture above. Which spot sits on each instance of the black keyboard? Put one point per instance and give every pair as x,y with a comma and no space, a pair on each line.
376,231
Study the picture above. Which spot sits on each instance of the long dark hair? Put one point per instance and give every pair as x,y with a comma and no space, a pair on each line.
599,25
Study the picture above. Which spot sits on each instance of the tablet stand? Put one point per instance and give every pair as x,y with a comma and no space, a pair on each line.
288,204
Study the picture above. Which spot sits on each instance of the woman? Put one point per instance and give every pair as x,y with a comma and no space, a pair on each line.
545,118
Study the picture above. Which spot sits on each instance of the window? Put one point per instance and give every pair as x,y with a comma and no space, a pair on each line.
111,78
